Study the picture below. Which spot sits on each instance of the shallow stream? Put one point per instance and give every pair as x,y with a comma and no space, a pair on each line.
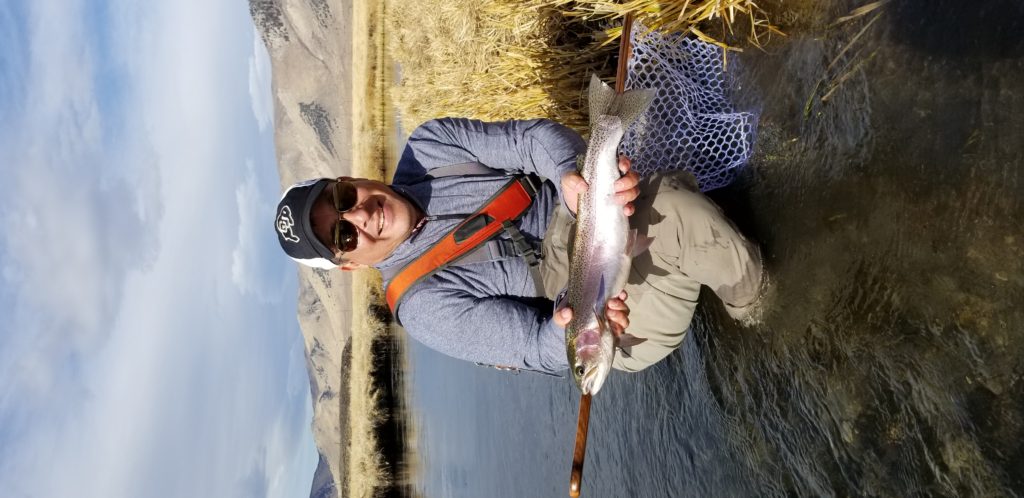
887,191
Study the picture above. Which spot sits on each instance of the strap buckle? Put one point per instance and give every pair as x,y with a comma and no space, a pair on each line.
523,248
531,183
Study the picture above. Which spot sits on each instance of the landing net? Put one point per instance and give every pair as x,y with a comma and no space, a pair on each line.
691,124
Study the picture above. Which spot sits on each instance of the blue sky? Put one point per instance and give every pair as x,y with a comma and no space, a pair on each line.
148,339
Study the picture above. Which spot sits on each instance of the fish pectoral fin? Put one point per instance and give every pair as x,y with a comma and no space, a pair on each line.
626,343
602,320
643,243
629,340
637,244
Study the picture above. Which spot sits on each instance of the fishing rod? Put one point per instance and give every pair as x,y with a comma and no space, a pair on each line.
583,421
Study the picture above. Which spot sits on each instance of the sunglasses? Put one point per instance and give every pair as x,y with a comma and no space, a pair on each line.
344,233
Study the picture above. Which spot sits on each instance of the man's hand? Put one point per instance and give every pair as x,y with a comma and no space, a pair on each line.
617,312
626,188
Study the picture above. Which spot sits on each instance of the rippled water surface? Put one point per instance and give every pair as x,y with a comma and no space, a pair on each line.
887,192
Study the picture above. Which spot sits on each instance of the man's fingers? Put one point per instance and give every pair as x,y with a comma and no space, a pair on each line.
562,317
618,315
624,197
624,163
627,189
617,303
619,318
576,183
572,186
628,181
618,312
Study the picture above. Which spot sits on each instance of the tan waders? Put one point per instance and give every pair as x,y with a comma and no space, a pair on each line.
694,244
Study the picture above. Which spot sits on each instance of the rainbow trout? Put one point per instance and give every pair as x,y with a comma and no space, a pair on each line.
604,244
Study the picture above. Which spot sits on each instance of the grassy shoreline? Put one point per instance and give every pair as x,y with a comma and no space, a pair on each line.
368,473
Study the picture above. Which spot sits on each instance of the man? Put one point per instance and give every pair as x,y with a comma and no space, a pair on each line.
497,310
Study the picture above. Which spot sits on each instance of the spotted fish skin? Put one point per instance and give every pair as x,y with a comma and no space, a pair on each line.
603,245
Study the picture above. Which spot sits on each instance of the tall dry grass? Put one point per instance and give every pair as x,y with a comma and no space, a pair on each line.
730,24
504,59
366,467
488,59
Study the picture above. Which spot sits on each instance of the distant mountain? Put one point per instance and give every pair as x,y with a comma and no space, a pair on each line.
323,482
311,57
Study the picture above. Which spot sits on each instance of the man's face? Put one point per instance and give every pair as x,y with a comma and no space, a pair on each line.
382,218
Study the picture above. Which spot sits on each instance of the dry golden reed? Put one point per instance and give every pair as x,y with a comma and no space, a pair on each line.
503,59
685,16
366,467
490,60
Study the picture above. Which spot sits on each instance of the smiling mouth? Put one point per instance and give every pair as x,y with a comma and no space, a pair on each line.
380,220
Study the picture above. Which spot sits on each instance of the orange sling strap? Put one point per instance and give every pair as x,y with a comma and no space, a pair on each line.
497,214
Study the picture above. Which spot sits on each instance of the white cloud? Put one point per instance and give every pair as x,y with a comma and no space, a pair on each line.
69,241
257,243
260,84
132,361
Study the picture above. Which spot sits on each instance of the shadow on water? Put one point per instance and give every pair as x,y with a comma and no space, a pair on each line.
991,29
887,192
886,189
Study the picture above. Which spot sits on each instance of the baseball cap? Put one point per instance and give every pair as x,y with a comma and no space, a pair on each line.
294,232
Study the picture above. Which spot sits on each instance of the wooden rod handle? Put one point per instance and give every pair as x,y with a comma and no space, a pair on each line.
580,451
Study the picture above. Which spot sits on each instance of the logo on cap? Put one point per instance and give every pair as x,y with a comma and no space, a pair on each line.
285,222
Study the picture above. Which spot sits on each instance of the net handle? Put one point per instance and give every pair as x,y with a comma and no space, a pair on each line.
622,70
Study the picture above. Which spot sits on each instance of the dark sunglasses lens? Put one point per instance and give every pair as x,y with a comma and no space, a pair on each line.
345,236
344,196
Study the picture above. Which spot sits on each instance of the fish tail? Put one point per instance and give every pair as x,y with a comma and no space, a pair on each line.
628,106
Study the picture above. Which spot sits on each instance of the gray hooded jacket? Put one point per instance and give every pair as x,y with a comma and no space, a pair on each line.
483,311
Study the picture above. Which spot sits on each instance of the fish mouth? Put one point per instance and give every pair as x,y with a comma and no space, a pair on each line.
592,381
590,357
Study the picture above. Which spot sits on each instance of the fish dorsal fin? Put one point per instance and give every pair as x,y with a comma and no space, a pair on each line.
627,106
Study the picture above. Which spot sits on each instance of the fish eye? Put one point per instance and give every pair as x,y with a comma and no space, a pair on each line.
580,370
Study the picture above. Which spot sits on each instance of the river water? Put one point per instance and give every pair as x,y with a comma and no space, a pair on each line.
886,190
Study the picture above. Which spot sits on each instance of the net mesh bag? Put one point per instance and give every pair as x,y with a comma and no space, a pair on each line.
691,124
